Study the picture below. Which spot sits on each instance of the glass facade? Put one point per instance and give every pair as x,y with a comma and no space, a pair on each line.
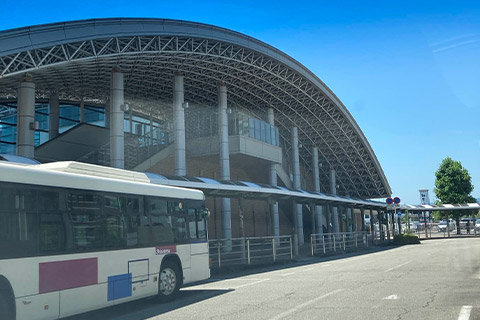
204,123
152,133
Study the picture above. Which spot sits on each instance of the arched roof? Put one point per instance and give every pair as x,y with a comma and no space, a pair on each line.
75,59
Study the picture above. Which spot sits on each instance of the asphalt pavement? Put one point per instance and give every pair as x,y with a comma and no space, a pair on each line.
438,279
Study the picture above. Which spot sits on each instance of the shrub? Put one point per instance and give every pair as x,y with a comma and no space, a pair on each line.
407,238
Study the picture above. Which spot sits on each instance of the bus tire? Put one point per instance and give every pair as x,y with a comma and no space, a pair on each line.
7,303
169,282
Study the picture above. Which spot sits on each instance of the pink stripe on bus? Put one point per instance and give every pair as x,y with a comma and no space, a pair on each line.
61,275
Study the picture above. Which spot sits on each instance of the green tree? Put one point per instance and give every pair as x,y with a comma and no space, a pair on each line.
453,184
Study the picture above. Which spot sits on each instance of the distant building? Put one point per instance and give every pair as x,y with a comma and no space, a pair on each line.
424,197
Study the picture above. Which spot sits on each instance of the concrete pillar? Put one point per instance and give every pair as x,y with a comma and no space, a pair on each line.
333,190
53,116
350,219
116,120
26,118
296,185
107,112
82,111
316,188
224,163
179,125
273,182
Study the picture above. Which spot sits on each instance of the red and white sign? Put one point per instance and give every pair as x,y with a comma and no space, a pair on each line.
165,250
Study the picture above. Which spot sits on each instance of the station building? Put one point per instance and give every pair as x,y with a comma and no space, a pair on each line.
190,102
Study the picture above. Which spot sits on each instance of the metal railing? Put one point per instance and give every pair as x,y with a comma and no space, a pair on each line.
331,243
136,148
250,250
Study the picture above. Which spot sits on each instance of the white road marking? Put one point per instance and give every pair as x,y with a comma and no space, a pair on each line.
243,279
251,284
309,269
392,297
288,274
465,313
300,306
399,266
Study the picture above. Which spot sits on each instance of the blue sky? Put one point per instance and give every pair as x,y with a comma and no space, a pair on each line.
408,71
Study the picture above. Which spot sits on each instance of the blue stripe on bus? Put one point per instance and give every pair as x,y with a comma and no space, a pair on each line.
119,286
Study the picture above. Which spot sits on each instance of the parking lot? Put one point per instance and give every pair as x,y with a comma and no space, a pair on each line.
435,280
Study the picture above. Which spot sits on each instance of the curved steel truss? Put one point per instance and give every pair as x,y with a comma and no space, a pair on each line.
257,78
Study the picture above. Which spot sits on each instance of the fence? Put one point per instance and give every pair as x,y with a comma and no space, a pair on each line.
247,251
331,243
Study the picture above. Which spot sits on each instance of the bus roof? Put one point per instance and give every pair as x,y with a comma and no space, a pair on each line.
84,176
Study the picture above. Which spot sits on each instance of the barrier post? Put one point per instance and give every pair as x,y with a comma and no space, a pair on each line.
323,243
248,251
218,249
311,243
274,250
291,249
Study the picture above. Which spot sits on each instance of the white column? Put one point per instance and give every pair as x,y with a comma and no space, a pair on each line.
26,119
273,181
179,125
316,188
53,116
224,163
296,183
116,120
333,190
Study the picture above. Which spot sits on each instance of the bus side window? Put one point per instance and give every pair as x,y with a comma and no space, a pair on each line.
114,208
137,222
52,218
178,221
161,224
192,224
85,210
18,222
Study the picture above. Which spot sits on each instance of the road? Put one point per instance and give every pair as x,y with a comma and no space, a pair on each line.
439,279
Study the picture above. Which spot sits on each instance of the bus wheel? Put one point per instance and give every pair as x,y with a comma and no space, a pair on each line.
169,282
6,307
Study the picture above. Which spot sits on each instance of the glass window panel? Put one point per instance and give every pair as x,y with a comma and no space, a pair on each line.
8,148
262,131
40,138
137,223
87,220
52,233
251,124
257,129
8,114
8,133
268,132
18,234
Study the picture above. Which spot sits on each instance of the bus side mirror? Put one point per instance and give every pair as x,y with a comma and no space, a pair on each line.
205,213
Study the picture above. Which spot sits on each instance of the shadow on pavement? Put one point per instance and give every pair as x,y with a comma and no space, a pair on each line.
148,307
233,272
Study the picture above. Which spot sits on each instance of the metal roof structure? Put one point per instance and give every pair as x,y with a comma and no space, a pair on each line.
250,190
442,207
75,59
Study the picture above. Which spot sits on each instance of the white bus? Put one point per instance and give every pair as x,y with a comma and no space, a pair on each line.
76,237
